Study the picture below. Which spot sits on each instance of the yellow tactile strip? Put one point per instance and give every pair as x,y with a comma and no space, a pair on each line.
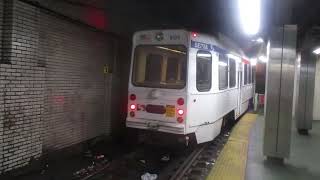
231,163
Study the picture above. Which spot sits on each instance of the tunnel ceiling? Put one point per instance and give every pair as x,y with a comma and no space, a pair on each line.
127,16
209,16
99,4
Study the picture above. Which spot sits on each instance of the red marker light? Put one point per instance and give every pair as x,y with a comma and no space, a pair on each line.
180,101
133,97
132,107
194,34
180,120
180,112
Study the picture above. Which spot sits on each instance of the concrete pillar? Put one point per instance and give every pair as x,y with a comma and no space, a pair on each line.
304,106
279,91
316,102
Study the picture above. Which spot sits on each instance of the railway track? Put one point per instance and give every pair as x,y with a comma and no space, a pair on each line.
198,163
184,164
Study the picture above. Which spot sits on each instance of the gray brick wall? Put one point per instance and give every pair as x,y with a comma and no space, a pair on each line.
52,88
75,86
1,24
1,90
22,82
95,17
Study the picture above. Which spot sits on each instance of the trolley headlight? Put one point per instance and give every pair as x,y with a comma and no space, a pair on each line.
132,106
180,112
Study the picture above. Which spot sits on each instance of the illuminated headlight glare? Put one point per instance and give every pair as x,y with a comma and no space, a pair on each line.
180,112
132,107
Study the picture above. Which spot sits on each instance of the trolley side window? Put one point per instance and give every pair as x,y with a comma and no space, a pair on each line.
223,72
249,74
232,73
245,74
204,71
160,66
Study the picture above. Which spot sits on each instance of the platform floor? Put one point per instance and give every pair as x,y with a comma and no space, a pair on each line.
231,164
242,157
304,161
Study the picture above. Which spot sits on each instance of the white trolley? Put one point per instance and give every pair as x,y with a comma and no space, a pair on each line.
186,83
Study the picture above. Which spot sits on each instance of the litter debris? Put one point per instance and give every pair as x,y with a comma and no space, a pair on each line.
142,161
165,158
81,173
46,167
99,162
88,154
148,176
210,163
99,156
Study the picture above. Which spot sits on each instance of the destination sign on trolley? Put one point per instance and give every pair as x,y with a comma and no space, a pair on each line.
209,47
200,45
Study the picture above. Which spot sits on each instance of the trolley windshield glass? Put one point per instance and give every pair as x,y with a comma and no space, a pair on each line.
160,66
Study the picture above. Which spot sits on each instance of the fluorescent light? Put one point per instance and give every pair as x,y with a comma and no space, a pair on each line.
317,51
260,40
253,61
234,57
172,50
263,59
203,55
222,63
299,61
249,15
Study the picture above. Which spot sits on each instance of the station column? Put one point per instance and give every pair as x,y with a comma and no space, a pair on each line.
279,91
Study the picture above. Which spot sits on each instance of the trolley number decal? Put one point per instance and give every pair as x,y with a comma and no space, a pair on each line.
170,111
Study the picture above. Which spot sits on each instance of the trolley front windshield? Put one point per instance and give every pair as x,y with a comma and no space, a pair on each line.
160,66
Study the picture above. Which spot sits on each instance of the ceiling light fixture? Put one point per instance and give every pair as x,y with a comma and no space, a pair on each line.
263,59
317,51
250,15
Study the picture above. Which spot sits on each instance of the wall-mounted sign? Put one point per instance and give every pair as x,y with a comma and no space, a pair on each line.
106,69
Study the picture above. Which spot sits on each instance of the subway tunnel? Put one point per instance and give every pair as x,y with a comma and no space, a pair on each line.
119,89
